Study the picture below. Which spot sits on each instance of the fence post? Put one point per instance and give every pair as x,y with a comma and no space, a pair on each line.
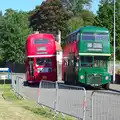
39,91
56,100
16,83
84,104
92,105
18,86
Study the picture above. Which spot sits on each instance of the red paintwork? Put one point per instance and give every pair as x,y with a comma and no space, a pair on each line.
69,48
31,52
31,48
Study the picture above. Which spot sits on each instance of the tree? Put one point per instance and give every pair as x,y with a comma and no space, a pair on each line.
80,16
105,18
13,33
75,6
0,13
50,17
85,18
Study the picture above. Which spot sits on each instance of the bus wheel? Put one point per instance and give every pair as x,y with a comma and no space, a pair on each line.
26,83
106,86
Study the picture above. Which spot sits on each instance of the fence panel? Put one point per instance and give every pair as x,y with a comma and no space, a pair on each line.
105,106
63,98
14,86
17,84
71,100
47,94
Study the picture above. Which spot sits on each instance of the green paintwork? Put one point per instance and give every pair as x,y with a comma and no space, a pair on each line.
98,74
88,64
83,44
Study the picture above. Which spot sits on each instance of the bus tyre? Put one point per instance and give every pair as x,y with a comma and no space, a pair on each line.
106,86
26,83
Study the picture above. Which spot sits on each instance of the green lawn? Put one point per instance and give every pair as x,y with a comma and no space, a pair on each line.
13,108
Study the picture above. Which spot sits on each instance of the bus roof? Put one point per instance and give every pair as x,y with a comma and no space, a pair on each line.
90,29
40,35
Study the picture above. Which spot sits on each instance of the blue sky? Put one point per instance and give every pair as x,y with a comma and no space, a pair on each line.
24,5
94,6
27,5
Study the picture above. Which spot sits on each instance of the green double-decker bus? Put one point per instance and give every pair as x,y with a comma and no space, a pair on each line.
85,57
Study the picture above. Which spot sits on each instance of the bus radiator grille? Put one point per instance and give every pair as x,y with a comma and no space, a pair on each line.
94,79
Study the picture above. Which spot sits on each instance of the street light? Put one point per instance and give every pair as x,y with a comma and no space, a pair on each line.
114,45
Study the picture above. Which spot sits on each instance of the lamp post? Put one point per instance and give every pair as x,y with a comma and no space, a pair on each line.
114,46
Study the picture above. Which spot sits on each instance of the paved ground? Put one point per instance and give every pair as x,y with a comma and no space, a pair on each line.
115,87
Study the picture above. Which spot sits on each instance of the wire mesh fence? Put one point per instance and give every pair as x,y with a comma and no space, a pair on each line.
105,106
17,85
47,94
71,100
66,99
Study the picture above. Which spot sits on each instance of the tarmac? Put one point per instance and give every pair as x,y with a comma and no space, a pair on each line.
115,87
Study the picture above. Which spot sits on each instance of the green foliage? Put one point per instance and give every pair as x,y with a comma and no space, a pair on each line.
75,23
85,18
50,17
13,33
75,6
8,93
0,13
105,17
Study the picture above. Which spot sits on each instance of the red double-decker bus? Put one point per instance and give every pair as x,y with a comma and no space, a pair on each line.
40,58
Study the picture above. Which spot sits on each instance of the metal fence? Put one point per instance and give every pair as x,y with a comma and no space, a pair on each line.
105,106
66,99
71,100
47,94
17,85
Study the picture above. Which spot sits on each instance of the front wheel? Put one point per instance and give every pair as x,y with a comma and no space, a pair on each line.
106,86
25,83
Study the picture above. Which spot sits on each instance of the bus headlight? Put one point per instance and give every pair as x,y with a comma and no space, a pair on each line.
106,78
81,77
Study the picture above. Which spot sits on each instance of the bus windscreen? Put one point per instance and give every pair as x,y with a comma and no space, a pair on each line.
44,61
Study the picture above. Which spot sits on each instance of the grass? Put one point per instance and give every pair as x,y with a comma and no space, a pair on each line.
30,108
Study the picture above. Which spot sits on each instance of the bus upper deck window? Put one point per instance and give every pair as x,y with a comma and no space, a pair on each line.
41,41
101,36
88,36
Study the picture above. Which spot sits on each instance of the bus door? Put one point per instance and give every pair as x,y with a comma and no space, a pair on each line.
31,67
